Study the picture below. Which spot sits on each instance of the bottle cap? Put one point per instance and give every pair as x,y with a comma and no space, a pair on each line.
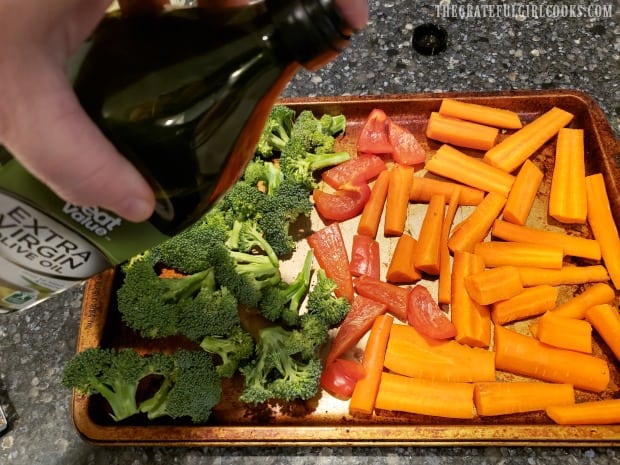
429,39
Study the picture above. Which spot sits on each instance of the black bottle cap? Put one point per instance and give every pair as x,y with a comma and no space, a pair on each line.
429,39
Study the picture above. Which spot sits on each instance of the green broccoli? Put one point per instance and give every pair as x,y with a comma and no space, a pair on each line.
323,303
284,301
312,134
276,132
191,389
232,349
264,174
114,374
333,124
243,201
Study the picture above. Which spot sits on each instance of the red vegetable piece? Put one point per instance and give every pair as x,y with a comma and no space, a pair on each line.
424,314
393,296
374,136
340,377
346,203
365,259
331,254
355,325
357,170
406,148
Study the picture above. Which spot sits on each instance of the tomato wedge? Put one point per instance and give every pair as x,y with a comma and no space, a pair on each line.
373,137
365,258
346,203
424,314
358,322
393,296
340,377
406,148
330,252
357,170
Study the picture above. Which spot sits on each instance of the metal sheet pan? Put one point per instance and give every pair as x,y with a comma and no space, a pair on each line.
325,420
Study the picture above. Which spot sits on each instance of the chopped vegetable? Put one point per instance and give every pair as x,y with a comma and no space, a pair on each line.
360,169
444,292
340,376
393,296
423,188
373,137
565,332
494,284
596,412
483,114
406,149
426,317
460,132
365,257
504,398
530,302
576,306
606,321
397,201
496,253
401,269
568,274
523,193
428,250
345,203
371,214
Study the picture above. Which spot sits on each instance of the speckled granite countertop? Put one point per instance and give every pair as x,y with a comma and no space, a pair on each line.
484,54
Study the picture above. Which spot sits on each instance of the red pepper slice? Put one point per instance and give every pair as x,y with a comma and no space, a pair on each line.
373,137
406,148
393,296
346,203
340,377
357,170
424,314
365,258
331,254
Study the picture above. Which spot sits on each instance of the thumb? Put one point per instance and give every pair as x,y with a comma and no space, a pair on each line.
52,137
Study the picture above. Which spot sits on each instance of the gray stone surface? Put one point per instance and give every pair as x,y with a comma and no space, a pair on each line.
484,54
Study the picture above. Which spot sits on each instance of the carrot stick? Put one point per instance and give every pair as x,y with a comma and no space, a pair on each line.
454,164
477,225
603,227
575,307
460,132
524,355
397,201
606,321
409,353
567,199
395,297
565,333
571,245
444,292
496,253
532,301
511,152
493,284
594,412
422,189
482,114
568,274
401,269
428,251
503,398
365,392
472,320
421,396
523,193
371,214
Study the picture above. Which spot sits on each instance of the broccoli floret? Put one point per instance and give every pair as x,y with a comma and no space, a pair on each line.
284,301
250,238
264,174
311,134
114,374
242,201
232,349
191,390
276,372
276,132
323,303
333,124
259,270
299,165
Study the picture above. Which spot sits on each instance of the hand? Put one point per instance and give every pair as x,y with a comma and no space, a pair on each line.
41,121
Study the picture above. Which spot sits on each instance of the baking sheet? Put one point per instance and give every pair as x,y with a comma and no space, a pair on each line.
324,420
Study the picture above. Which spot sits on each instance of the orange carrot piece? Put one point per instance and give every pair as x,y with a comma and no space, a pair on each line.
603,227
523,193
460,132
456,165
371,214
472,320
483,114
477,225
401,269
606,321
422,189
532,301
504,398
567,199
365,392
425,397
427,253
526,356
568,274
444,292
575,307
595,412
397,201
493,284
571,245
565,333
496,253
409,353
510,153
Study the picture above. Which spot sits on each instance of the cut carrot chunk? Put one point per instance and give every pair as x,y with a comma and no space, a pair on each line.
402,269
444,292
575,307
496,253
493,284
371,214
532,301
503,398
460,132
428,250
565,333
422,189
397,202
606,321
596,412
483,114
569,274
523,193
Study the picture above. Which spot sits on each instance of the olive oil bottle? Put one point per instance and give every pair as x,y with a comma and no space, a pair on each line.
184,95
